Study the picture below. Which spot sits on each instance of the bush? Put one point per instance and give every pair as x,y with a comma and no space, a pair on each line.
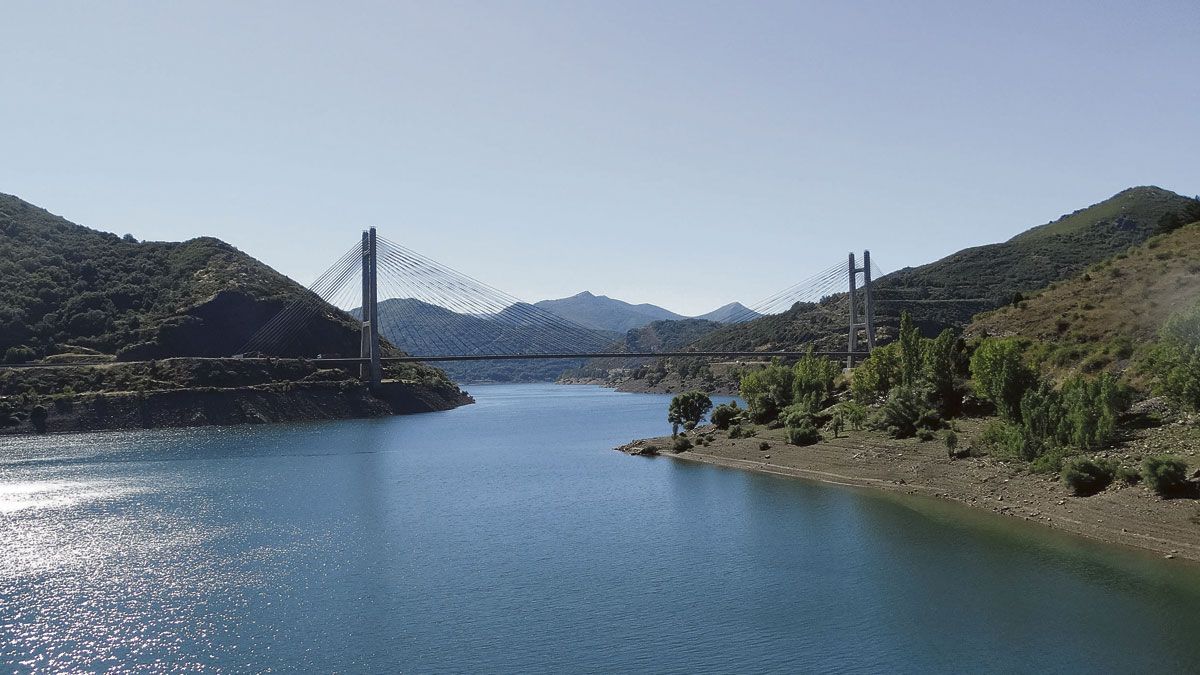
21,354
725,414
907,410
1127,475
951,443
1004,439
1088,476
1175,360
764,446
37,417
854,413
1050,460
681,444
1167,475
803,434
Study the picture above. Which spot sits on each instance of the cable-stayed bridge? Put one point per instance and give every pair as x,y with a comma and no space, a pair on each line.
412,308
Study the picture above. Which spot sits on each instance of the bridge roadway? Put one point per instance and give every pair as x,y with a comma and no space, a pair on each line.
593,355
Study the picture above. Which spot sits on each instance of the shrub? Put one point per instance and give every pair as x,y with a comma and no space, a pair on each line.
37,417
1050,460
1167,475
1175,359
951,443
1127,475
681,444
795,415
1088,476
21,354
837,423
854,413
1004,439
725,414
906,410
736,431
803,434
764,446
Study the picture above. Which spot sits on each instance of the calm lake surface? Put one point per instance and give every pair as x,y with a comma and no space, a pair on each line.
509,536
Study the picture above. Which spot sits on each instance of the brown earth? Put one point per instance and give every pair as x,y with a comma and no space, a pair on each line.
1130,515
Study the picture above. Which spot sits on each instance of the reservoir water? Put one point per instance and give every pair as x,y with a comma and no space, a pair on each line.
508,536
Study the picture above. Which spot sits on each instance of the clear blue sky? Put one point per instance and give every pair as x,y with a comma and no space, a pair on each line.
686,154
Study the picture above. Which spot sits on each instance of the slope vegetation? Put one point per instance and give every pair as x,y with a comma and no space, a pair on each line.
67,288
949,292
1099,318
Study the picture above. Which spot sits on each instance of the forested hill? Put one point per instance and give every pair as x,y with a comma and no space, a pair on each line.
1103,317
948,292
66,288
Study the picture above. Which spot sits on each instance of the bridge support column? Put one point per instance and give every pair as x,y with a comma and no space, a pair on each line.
853,298
868,322
371,369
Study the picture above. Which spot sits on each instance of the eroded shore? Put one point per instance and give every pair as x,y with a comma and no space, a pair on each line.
1127,515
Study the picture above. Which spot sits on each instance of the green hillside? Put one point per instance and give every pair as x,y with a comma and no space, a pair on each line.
67,288
950,291
1101,318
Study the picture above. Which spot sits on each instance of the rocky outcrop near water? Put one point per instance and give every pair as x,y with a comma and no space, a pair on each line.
284,402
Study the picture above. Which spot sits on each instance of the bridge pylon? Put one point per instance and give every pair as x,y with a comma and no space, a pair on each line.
868,315
371,370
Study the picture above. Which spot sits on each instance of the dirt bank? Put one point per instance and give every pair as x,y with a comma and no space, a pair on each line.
1130,515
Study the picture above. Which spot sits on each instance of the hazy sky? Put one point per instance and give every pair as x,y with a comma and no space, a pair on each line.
686,154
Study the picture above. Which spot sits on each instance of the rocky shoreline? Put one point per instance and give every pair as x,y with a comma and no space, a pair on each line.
1126,515
258,404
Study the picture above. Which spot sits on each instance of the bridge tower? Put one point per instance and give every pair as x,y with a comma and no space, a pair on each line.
371,370
868,314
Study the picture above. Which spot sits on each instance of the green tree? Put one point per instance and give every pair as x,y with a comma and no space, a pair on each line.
1001,376
767,391
874,377
910,351
688,409
813,377
942,364
837,423
725,414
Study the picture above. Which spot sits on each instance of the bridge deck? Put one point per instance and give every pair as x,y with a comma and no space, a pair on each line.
593,355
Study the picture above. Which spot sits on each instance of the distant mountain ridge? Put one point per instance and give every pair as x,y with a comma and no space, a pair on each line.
604,313
733,312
